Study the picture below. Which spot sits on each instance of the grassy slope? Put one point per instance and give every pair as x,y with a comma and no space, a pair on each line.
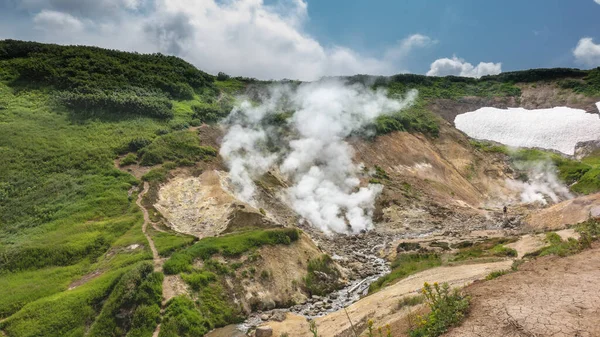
64,207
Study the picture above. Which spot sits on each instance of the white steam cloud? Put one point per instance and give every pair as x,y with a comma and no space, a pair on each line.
542,186
312,154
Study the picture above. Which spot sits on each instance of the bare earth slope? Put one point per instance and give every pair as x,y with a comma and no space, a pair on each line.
551,296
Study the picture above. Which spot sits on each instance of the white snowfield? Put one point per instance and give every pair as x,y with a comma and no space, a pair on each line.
557,129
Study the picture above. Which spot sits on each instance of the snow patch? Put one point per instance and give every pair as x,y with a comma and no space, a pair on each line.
559,128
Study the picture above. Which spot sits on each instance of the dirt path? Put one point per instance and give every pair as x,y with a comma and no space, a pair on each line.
550,296
158,262
155,257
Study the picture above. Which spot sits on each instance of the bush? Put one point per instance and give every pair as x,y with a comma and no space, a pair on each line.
322,277
496,274
448,308
117,102
137,144
198,280
79,67
221,76
156,175
129,159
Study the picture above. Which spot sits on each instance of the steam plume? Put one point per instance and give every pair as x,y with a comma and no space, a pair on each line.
312,153
542,185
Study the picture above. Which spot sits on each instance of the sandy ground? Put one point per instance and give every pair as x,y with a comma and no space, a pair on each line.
566,213
551,296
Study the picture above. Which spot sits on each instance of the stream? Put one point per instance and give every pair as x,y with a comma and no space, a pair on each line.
318,306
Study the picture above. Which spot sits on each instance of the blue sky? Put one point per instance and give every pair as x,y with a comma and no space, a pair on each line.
521,34
307,39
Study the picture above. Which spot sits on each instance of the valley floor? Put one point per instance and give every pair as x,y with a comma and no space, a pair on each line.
547,296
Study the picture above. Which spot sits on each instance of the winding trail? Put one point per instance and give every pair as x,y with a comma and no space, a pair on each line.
155,257
158,262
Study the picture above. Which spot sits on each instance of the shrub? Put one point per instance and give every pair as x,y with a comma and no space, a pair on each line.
322,277
156,175
129,159
496,274
410,301
118,102
221,76
448,308
198,280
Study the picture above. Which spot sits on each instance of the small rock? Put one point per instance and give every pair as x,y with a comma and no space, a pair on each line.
263,331
315,297
264,317
278,316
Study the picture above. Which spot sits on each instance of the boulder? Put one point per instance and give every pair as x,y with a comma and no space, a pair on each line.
263,331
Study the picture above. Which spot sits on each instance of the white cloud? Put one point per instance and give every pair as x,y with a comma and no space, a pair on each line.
597,1
459,67
240,37
86,8
587,52
48,20
409,44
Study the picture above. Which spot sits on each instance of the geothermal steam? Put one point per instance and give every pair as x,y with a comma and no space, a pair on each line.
542,186
312,154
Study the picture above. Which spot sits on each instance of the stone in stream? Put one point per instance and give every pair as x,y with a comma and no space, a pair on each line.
278,316
264,317
263,331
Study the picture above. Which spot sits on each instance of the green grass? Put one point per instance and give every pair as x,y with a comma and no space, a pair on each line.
589,232
18,289
63,314
64,207
405,265
496,274
227,245
178,145
167,243
186,318
488,248
410,301
133,307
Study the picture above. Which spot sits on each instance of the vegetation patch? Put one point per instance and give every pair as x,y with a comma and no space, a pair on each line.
230,245
405,265
488,248
589,232
410,301
133,307
448,308
179,145
496,274
185,317
323,276
168,242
